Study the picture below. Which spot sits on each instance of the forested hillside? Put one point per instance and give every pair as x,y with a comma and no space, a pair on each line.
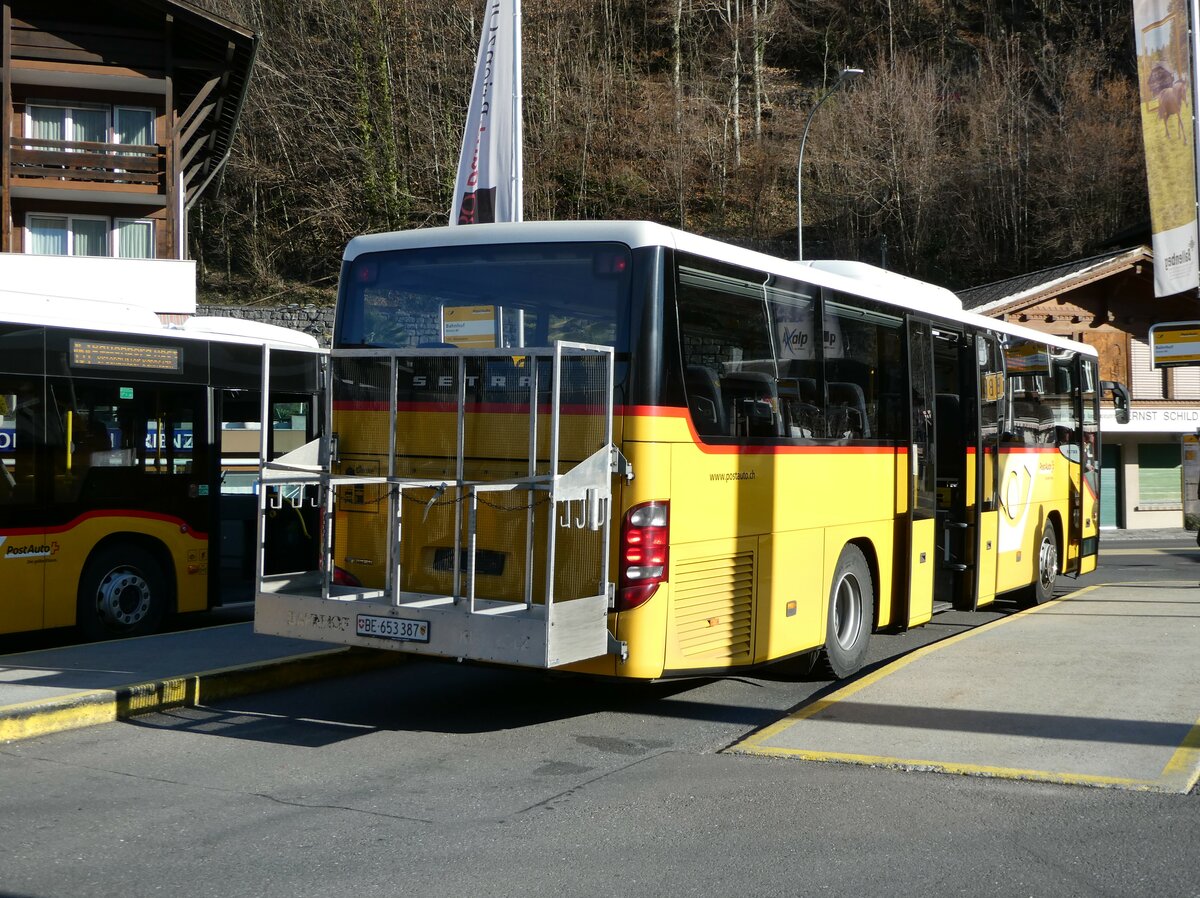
985,138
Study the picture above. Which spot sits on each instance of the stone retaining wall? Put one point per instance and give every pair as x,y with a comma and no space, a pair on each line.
315,320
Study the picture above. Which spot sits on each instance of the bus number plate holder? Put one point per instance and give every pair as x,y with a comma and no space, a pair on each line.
398,628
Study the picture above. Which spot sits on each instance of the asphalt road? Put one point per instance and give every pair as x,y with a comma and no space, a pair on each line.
439,779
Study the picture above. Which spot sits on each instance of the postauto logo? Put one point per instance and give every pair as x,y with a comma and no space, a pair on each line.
28,550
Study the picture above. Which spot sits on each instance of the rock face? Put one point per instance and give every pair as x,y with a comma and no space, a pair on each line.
312,319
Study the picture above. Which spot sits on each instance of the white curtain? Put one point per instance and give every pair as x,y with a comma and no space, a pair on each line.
135,239
90,237
46,122
135,126
89,125
47,236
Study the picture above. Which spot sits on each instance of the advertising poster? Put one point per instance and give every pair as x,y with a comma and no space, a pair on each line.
1167,106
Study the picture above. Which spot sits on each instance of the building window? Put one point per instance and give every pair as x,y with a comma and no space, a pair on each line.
83,235
133,239
1158,473
90,124
1146,381
133,125
74,124
68,235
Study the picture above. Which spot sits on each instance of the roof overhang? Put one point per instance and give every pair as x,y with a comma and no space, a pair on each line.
1051,288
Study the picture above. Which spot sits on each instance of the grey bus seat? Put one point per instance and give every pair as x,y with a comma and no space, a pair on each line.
848,410
753,403
704,400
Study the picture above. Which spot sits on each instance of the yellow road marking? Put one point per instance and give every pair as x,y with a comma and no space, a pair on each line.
1012,773
1181,773
1182,550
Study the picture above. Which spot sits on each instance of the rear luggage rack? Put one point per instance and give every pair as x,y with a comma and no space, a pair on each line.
492,469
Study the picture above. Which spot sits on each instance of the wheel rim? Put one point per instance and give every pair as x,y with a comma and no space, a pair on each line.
123,597
847,611
1048,563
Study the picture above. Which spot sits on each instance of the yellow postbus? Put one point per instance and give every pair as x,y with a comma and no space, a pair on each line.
129,453
631,451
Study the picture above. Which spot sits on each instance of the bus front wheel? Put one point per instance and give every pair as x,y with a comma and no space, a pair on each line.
851,614
122,592
1046,575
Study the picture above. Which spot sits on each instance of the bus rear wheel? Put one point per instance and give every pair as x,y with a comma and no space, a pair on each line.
123,592
851,615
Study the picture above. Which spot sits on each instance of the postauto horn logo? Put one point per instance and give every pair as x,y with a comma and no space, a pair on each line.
30,550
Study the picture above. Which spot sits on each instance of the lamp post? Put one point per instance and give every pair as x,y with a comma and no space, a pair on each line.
846,74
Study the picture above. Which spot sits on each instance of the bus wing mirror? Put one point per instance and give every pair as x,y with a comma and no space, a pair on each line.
1120,396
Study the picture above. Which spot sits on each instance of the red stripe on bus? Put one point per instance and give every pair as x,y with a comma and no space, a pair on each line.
106,513
493,408
663,411
1032,450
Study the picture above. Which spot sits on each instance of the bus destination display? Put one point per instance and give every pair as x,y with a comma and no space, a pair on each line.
125,356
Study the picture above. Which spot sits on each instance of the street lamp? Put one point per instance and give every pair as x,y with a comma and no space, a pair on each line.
846,75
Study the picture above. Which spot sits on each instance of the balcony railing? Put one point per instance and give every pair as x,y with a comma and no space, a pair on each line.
112,163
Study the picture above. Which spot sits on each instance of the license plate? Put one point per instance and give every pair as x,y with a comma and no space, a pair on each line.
399,628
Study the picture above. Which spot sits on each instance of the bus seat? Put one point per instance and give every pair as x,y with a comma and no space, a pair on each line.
753,403
798,407
704,400
808,390
851,407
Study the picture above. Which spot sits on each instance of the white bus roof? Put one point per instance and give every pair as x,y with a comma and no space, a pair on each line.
856,278
116,317
259,331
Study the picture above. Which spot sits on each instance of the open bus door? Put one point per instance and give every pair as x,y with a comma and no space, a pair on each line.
960,471
989,359
920,563
951,516
1083,451
291,526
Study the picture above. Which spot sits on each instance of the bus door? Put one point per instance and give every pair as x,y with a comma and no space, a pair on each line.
26,548
292,519
989,358
1078,443
1089,462
922,478
237,414
956,425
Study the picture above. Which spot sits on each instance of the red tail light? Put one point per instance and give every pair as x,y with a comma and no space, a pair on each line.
645,553
342,577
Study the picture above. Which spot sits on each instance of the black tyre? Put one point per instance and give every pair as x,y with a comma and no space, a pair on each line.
1046,572
851,615
798,667
123,592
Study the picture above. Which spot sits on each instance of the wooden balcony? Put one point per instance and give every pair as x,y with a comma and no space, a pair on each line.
98,166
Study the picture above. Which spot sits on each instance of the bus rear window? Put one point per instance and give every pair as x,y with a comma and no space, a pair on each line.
486,297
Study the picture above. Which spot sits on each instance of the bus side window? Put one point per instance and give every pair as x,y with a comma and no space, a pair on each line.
20,410
728,362
863,369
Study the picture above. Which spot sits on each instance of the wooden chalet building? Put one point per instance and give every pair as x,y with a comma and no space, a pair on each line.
116,115
1108,301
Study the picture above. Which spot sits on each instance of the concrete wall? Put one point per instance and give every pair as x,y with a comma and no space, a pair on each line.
165,286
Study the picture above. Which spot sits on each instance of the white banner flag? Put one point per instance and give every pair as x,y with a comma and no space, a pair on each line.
1167,83
489,168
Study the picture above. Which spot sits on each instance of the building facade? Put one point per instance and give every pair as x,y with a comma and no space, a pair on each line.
115,117
1108,302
